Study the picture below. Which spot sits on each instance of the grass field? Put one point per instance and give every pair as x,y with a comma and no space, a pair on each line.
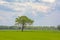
29,35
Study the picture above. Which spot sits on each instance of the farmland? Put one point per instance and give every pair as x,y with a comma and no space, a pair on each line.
29,35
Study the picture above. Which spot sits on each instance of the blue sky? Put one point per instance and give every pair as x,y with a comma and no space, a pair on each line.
43,12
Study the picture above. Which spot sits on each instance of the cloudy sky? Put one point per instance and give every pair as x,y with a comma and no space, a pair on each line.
43,12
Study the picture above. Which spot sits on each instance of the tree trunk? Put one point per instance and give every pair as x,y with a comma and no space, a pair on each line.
22,27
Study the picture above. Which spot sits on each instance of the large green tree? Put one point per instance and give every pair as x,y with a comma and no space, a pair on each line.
23,20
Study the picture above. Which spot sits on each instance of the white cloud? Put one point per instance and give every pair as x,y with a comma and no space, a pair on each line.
34,13
22,6
41,8
3,2
1,18
50,1
10,14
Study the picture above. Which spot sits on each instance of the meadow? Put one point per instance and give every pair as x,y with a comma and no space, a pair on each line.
29,35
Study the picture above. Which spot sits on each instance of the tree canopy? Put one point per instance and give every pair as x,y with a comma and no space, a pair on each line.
23,20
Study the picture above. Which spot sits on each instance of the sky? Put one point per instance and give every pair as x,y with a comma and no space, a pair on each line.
43,12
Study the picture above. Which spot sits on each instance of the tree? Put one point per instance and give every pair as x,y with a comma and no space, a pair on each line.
58,27
23,20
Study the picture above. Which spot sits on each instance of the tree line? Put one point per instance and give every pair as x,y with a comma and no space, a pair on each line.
30,28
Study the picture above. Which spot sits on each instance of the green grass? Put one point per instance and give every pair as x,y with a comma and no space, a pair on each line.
29,35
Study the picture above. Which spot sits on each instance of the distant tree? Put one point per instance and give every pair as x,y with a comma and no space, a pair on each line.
23,20
3,27
58,27
12,27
